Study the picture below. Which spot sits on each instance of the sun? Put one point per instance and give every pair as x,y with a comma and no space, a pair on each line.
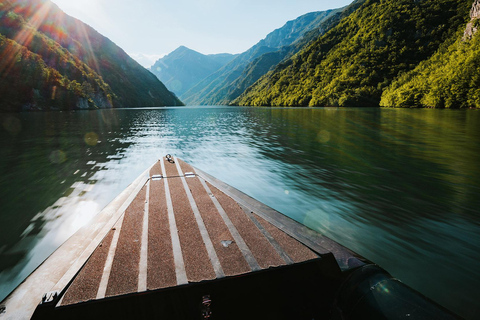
88,11
73,8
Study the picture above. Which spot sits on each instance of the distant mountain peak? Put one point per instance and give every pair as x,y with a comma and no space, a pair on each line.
183,68
183,48
228,82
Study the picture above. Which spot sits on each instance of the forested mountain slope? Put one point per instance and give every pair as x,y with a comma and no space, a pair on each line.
217,88
49,60
183,68
261,65
449,79
356,60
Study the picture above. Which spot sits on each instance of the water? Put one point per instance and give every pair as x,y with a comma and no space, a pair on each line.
400,187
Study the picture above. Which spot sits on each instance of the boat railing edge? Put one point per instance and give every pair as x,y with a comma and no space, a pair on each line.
346,258
56,271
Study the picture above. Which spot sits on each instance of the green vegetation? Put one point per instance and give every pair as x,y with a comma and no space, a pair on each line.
26,81
230,81
449,79
50,61
356,60
266,62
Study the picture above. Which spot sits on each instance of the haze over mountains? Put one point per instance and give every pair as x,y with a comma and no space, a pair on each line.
49,60
183,68
218,86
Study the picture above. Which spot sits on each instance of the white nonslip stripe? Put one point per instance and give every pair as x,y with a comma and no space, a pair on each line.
102,289
201,226
177,249
142,267
247,254
83,257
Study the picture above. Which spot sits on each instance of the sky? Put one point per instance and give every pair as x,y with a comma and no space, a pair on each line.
149,29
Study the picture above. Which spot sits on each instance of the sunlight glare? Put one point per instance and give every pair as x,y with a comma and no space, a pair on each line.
84,212
91,12
85,10
25,36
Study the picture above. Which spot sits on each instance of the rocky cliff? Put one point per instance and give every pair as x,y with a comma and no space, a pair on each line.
475,12
472,26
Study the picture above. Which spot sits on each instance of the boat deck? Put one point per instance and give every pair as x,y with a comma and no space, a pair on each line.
180,244
178,230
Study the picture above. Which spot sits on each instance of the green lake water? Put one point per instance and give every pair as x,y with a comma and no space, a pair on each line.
400,187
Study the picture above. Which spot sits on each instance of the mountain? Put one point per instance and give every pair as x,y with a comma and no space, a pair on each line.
49,60
217,88
449,79
352,63
183,68
261,65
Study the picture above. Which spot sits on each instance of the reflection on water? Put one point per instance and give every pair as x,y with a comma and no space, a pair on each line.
400,187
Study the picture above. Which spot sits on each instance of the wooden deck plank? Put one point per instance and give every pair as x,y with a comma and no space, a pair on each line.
212,254
229,254
245,250
263,252
179,230
197,262
345,258
296,250
102,288
161,271
125,268
58,271
86,284
269,237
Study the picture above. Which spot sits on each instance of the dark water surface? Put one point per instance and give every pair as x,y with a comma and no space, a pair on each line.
400,187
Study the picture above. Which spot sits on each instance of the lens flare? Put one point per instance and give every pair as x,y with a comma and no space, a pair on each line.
13,125
176,85
38,14
91,139
323,136
54,92
318,217
58,156
33,22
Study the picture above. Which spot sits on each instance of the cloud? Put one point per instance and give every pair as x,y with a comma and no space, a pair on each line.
146,60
